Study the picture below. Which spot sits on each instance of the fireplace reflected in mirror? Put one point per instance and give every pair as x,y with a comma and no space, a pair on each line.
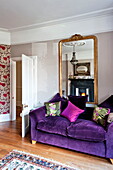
82,87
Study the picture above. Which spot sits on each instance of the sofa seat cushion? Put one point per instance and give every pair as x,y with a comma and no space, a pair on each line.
86,130
56,125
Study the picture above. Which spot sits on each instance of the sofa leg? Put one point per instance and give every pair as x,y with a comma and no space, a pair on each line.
111,161
33,142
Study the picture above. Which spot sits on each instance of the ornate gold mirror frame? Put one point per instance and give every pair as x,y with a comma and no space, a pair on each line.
78,37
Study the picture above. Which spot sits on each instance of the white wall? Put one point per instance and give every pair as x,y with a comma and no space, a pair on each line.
5,38
105,65
47,72
18,50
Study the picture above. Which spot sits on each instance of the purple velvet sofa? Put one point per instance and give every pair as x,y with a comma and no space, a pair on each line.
83,135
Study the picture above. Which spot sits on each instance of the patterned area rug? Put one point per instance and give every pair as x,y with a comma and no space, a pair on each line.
18,160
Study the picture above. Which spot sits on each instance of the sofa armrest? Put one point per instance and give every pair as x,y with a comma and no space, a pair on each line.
109,141
35,116
38,114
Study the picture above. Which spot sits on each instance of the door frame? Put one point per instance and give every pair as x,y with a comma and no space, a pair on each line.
13,84
13,87
12,115
25,124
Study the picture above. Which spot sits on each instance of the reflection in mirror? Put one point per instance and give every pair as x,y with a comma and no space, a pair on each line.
79,69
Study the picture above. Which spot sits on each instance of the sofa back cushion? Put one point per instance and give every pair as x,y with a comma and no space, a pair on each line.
87,114
56,98
108,103
79,101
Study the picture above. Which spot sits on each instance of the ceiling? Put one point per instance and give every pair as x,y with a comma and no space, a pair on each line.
15,14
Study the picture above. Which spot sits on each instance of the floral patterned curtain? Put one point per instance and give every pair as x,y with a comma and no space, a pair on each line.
5,79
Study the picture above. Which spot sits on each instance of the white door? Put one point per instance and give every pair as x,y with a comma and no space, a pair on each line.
29,81
27,91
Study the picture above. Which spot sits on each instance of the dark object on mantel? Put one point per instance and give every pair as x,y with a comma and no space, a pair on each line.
82,86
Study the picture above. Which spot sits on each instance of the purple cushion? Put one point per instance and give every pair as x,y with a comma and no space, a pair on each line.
71,112
57,125
86,130
57,98
108,103
79,101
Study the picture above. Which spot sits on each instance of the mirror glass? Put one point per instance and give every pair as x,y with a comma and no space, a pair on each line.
78,67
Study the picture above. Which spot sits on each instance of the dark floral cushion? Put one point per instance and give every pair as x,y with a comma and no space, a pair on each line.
53,109
100,115
110,118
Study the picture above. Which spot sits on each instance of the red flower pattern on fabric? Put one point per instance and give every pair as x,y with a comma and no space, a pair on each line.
4,79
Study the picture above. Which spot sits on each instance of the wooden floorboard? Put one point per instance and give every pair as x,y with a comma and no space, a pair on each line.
10,138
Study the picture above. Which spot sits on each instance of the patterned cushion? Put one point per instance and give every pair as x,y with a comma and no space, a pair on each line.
110,118
57,98
53,109
100,115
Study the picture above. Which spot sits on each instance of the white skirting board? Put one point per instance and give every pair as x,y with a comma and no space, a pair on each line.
5,117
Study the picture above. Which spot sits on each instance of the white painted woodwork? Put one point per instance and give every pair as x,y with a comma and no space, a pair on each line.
27,81
29,89
5,118
13,89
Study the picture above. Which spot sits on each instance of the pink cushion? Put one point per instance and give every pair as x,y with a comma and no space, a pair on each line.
72,112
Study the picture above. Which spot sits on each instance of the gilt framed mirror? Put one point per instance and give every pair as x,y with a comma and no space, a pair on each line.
78,67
